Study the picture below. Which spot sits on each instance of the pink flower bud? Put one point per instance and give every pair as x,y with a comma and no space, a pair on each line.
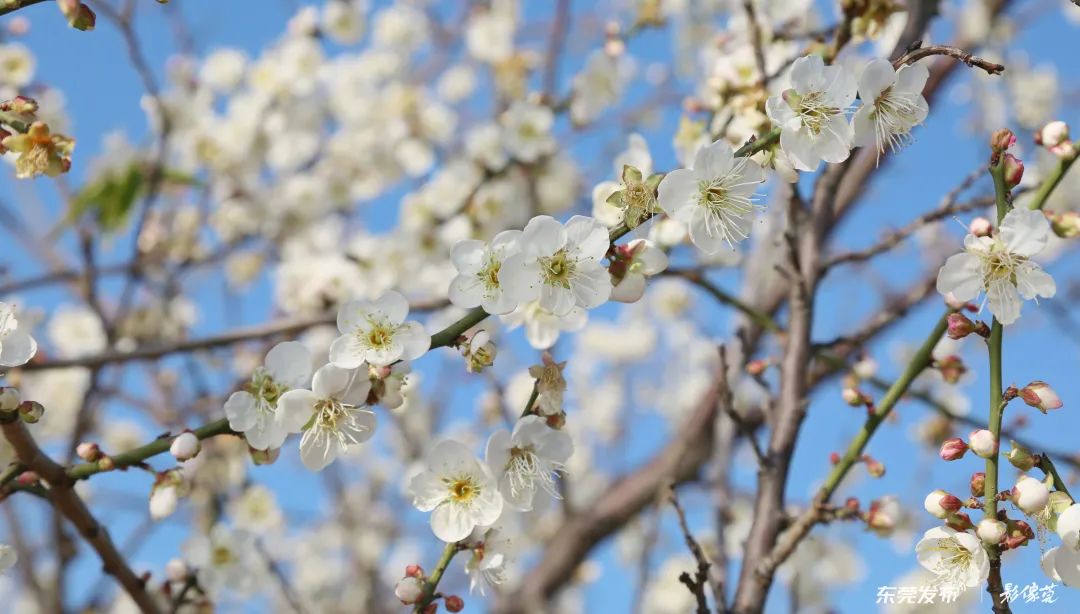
959,522
978,484
27,478
1002,140
1041,396
941,504
980,227
88,451
1066,224
990,531
1030,495
953,449
960,326
982,443
1014,170
874,466
454,603
414,571
409,590
951,368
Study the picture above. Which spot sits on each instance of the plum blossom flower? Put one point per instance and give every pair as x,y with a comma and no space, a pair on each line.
376,332
492,548
478,264
893,104
226,558
253,411
460,491
1001,266
17,347
957,558
527,131
638,259
714,197
527,460
1065,562
330,415
559,265
542,328
810,114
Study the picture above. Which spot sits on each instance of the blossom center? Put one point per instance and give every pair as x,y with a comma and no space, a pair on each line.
815,112
222,556
379,336
265,390
558,269
999,264
462,489
489,275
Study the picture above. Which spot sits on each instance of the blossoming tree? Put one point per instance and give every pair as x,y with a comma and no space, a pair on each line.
421,306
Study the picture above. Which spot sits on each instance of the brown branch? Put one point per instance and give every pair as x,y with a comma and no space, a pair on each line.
701,576
974,61
67,502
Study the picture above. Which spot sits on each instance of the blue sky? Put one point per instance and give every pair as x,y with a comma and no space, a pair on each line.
103,95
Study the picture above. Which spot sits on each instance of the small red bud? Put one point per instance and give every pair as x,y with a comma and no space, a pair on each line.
27,478
1014,170
414,571
953,449
454,603
834,457
874,466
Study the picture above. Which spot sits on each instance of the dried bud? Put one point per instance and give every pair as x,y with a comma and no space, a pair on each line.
1014,170
453,603
980,227
874,466
953,448
264,457
409,590
88,451
978,484
959,522
961,326
952,368
1041,396
990,531
1001,140
983,443
1030,495
186,446
1021,457
31,411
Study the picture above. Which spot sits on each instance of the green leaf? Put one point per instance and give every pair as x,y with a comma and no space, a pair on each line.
110,198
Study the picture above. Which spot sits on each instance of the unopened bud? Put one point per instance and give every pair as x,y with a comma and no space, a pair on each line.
1030,495
454,603
409,590
865,368
31,411
940,504
874,466
1013,170
9,398
883,515
983,443
414,571
990,531
106,463
264,457
757,367
185,447
88,451
854,397
1053,135
1020,457
176,570
952,368
1001,140
1019,533
1041,396
164,499
27,478
1065,225
980,227
834,457
978,484
952,449
959,522
960,326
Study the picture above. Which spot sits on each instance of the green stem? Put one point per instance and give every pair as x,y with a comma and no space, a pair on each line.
450,334
140,454
922,359
432,582
1051,182
1049,469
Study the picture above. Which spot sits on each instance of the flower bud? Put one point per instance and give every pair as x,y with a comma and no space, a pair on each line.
1001,140
874,466
978,484
185,447
176,570
1030,495
163,501
959,522
883,516
757,367
961,326
264,457
990,531
1018,533
31,411
27,478
1068,525
854,397
952,449
1013,169
414,571
106,463
9,399
1066,224
1053,135
982,443
409,590
865,368
951,368
453,603
1041,396
980,227
941,504
88,451
1020,457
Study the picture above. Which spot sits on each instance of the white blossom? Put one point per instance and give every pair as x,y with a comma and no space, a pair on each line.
478,264
811,114
542,328
714,197
254,411
226,558
958,559
376,332
527,131
460,491
330,415
893,104
528,460
17,347
1001,267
